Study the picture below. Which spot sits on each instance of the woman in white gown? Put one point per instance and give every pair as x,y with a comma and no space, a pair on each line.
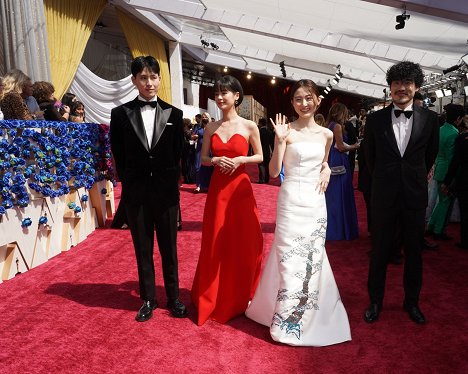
297,296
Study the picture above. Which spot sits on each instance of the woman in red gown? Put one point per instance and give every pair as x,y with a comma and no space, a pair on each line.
231,251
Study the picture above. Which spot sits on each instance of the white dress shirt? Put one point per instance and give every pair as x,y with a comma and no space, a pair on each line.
147,114
402,127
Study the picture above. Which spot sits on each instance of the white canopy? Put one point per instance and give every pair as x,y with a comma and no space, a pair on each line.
312,37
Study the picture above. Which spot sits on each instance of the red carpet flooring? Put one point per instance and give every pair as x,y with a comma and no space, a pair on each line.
75,313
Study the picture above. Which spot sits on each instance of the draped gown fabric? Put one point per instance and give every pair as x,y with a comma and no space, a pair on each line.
297,296
231,251
341,206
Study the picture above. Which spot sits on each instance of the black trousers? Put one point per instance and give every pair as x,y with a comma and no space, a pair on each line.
384,225
263,171
143,220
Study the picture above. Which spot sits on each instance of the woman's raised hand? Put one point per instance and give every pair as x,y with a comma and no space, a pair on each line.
281,126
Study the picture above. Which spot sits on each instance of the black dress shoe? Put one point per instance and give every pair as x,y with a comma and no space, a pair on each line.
177,308
146,311
415,314
372,313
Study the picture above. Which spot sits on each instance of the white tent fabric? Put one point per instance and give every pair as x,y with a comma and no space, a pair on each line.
313,37
23,40
100,96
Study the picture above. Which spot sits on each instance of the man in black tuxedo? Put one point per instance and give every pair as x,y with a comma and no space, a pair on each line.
401,143
147,137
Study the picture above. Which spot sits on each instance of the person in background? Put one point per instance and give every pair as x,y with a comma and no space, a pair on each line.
12,103
448,133
188,154
44,94
203,172
147,136
456,180
30,100
352,134
267,139
341,206
68,99
401,143
320,120
77,112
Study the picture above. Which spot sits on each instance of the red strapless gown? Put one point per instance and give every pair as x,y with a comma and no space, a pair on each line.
231,251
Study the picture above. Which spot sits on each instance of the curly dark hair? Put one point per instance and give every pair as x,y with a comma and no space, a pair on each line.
406,70
42,91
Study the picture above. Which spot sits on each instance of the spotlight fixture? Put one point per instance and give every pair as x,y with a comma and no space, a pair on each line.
214,46
249,75
452,68
204,43
283,70
225,69
401,20
273,80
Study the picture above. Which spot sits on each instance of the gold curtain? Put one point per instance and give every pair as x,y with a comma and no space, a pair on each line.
69,25
144,42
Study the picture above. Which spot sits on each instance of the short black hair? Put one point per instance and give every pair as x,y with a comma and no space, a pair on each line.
453,111
228,82
141,62
406,70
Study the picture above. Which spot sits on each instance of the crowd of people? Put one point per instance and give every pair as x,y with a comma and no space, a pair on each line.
398,149
21,99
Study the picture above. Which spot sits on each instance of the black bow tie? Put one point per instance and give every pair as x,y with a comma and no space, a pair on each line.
142,103
407,113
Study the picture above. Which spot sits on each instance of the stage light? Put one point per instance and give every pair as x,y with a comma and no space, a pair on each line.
439,94
204,43
214,46
273,80
225,69
452,68
401,20
249,75
283,70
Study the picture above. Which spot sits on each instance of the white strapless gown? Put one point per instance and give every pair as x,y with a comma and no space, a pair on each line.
297,296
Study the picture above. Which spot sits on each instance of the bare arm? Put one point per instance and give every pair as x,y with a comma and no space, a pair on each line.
340,144
206,145
325,171
281,135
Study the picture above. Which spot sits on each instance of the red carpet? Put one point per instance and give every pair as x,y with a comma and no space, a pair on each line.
75,313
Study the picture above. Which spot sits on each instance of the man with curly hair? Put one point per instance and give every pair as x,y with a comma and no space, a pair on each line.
401,144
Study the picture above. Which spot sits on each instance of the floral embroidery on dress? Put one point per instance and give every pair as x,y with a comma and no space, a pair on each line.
290,318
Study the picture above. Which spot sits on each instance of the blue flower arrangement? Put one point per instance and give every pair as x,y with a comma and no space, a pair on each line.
51,158
43,220
84,198
26,222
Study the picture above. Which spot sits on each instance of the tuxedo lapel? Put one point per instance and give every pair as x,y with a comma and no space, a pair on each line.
134,116
160,121
388,129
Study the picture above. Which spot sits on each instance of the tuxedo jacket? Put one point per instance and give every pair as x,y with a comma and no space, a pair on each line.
147,172
400,180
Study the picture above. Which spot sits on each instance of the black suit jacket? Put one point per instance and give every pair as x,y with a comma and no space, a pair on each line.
147,172
400,179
